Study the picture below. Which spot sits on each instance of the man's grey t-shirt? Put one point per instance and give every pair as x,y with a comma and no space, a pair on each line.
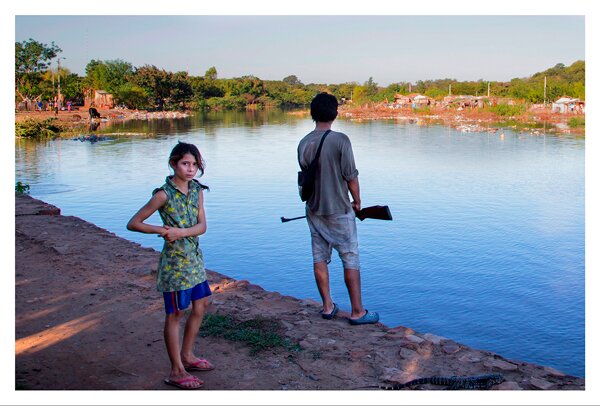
336,168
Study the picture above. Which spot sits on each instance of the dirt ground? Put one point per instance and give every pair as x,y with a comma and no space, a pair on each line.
88,316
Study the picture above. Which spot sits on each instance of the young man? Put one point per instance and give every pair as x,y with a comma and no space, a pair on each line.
329,212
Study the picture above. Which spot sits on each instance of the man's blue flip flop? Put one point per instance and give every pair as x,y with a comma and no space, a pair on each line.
368,318
329,316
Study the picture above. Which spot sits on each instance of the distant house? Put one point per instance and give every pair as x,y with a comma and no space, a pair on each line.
566,105
414,99
421,100
100,99
461,101
402,99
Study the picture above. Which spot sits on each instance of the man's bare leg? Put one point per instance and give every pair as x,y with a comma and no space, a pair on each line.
352,279
322,279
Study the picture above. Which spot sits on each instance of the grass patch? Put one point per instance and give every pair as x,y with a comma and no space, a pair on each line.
576,122
21,188
38,129
507,110
258,333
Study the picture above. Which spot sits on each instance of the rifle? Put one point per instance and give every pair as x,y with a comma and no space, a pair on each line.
373,212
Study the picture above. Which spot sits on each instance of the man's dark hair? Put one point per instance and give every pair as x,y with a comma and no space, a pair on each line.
323,108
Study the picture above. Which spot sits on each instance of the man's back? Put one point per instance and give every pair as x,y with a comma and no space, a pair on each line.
336,168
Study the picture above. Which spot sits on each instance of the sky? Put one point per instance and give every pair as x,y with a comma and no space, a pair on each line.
318,49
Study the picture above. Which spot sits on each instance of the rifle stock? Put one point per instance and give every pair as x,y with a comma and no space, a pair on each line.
375,212
372,212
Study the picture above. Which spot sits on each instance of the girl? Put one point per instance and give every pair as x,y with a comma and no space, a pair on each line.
181,275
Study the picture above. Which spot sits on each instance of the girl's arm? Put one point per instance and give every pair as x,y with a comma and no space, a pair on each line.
173,233
137,221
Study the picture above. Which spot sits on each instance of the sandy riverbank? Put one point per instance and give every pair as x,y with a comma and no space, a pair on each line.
88,317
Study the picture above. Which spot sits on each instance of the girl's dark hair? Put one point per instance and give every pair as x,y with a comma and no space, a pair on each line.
183,148
323,108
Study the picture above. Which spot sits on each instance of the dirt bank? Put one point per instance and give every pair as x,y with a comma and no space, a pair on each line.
79,120
88,317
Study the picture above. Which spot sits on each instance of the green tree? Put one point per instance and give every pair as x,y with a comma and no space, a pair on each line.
360,95
371,87
107,75
131,95
180,90
96,76
211,73
292,80
32,59
155,83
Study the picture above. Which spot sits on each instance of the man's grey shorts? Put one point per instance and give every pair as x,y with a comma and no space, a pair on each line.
334,231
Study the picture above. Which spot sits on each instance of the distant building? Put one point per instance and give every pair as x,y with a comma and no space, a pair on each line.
100,99
402,99
414,99
566,105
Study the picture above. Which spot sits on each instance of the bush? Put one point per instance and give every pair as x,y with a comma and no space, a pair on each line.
226,103
30,128
507,110
576,122
21,188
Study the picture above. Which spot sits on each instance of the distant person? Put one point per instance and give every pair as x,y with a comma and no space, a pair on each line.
329,212
40,105
69,106
181,274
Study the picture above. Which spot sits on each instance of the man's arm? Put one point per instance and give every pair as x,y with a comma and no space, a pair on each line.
354,188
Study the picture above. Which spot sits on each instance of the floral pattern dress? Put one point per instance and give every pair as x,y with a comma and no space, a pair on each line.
181,263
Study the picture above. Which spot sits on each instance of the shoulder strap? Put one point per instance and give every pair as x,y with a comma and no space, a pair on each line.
320,146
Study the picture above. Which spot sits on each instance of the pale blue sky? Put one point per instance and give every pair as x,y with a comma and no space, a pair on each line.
319,49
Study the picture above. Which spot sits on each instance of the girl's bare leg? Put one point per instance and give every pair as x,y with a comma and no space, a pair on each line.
192,326
171,335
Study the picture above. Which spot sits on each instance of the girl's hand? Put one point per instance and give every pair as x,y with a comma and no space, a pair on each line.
172,233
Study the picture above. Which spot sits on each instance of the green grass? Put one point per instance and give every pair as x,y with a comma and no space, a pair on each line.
39,129
507,110
21,188
258,333
576,122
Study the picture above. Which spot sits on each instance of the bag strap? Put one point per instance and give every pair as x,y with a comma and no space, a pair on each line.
321,146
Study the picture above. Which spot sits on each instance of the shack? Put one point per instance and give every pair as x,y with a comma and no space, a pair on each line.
420,100
401,100
100,99
568,105
414,99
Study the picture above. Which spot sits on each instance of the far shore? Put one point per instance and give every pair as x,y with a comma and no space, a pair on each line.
536,122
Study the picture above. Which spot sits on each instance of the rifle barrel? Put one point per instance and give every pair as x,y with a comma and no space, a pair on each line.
284,220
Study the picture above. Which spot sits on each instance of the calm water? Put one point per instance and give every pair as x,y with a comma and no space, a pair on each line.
486,246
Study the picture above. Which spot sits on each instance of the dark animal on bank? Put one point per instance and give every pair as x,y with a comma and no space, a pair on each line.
452,382
94,113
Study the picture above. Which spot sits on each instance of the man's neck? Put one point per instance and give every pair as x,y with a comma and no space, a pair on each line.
321,126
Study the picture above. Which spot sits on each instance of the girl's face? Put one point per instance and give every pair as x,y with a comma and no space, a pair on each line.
186,168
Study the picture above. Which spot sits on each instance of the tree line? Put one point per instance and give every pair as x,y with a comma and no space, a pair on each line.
153,88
